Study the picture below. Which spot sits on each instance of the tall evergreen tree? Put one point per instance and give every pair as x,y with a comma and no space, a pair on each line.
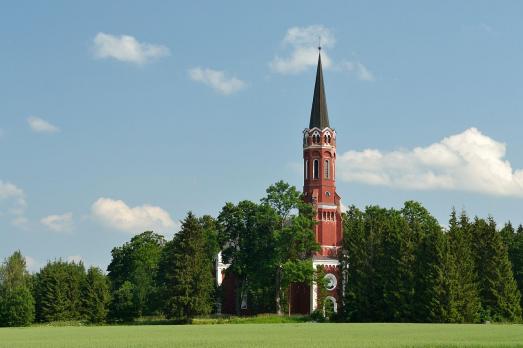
356,260
16,299
463,274
514,244
58,291
186,272
96,295
500,297
428,267
378,283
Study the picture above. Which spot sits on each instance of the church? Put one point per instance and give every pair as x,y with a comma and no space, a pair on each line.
319,189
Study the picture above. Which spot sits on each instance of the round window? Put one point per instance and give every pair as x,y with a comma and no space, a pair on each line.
330,281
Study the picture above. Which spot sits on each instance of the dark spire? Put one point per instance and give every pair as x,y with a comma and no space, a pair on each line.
319,114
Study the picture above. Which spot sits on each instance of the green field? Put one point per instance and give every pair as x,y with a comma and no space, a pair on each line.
267,335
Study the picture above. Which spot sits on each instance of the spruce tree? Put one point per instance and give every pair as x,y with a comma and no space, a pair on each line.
515,252
186,272
96,295
462,273
16,299
499,294
58,291
426,270
356,266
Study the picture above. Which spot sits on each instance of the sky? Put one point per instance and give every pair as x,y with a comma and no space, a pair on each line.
120,116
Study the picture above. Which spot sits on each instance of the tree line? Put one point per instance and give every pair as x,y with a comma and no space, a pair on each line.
268,245
397,265
402,266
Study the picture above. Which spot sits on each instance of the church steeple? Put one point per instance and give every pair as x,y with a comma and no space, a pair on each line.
319,113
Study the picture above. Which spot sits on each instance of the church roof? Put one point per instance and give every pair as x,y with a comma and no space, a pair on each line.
319,114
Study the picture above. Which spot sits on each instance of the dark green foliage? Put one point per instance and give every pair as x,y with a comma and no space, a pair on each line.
96,296
137,262
402,267
425,260
516,257
267,245
185,273
500,298
210,232
464,304
58,291
514,242
16,307
16,299
122,306
378,282
247,239
396,266
294,241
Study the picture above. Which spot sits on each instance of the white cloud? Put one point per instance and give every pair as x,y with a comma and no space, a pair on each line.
358,69
303,42
13,203
117,214
58,223
217,80
126,48
469,161
74,258
41,126
32,265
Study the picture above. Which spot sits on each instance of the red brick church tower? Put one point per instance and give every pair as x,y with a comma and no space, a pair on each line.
319,188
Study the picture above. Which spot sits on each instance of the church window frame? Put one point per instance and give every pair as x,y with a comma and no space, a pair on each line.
326,169
316,169
316,137
306,169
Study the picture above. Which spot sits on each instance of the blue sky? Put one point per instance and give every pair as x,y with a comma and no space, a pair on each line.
119,116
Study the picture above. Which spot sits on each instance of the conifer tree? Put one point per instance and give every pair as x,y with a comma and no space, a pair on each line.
355,263
499,295
96,295
426,273
515,253
16,299
462,274
186,272
58,291
376,271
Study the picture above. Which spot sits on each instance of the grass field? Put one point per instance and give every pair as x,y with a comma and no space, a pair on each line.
266,335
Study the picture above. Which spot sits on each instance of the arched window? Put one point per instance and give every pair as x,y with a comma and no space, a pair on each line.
316,137
326,169
316,169
327,138
306,169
